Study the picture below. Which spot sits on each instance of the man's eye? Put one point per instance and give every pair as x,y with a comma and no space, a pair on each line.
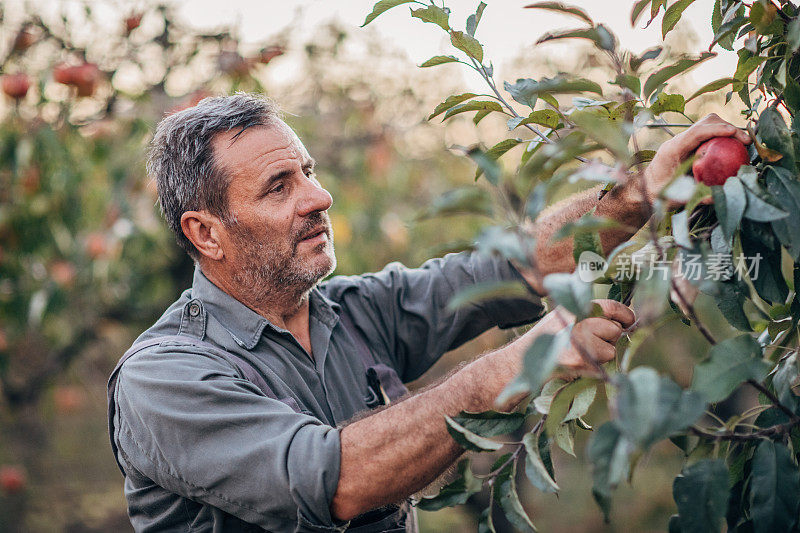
310,173
277,188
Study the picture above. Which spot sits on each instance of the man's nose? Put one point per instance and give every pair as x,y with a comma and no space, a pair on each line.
315,198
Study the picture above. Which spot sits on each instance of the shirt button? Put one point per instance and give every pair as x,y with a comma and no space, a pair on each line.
194,309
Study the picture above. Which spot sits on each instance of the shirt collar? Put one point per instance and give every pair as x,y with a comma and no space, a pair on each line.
245,325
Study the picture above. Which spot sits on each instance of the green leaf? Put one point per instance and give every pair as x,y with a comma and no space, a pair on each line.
467,44
455,493
762,14
774,488
730,362
562,402
486,165
541,358
786,381
562,8
730,202
726,33
534,466
652,53
497,151
667,73
527,90
785,189
713,86
630,82
472,105
433,14
570,292
609,452
730,300
450,102
586,225
504,242
439,60
746,65
470,440
544,453
480,115
605,132
487,291
474,20
668,102
680,229
581,404
652,292
599,35
505,491
701,492
775,134
762,251
382,6
544,117
564,437
762,206
490,423
462,201
650,408
793,35
673,15
485,522
637,10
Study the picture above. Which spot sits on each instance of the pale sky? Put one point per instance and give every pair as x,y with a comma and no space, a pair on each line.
506,30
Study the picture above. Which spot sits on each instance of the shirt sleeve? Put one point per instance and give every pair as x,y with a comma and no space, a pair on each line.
189,423
405,311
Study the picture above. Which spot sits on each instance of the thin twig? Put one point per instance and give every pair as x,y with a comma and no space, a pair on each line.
774,400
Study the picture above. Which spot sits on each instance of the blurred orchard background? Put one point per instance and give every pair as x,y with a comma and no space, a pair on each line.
86,262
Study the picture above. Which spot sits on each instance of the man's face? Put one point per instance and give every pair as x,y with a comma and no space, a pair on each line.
280,236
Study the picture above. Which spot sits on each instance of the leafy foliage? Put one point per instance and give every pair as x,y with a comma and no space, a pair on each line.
743,251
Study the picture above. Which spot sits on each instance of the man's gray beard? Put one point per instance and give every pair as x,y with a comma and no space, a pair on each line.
269,278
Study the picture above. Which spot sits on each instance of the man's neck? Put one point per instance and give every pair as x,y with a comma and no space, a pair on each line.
287,310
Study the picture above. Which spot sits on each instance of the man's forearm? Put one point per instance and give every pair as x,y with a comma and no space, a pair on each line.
400,450
622,204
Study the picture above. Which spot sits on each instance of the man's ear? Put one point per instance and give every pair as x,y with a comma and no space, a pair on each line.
203,230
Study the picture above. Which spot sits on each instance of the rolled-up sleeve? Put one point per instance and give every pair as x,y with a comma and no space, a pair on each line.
405,310
189,423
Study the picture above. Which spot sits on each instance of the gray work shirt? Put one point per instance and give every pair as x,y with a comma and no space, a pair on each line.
204,449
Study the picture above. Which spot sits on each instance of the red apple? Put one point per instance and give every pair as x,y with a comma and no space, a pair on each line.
69,399
63,74
16,85
268,54
63,273
23,40
84,77
12,479
96,245
132,22
718,159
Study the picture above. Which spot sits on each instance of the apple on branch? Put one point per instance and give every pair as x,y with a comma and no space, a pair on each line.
719,159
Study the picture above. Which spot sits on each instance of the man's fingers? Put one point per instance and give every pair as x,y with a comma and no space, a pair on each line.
614,310
709,127
608,330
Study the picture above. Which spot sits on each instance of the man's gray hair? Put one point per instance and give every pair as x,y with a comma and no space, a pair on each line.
182,161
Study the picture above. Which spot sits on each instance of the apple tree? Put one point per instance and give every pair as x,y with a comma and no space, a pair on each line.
736,244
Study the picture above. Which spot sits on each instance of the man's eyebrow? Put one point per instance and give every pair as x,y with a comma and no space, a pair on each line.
309,164
285,173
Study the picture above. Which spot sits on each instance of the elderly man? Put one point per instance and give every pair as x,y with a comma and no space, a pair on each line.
246,405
